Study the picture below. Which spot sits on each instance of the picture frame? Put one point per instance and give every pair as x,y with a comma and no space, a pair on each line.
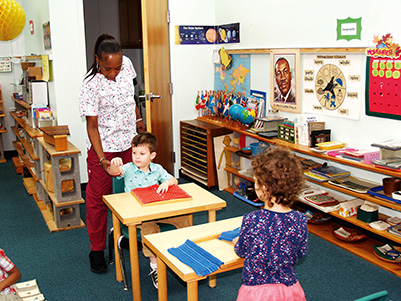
46,36
285,84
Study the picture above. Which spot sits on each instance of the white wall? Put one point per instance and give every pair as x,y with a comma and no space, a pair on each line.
69,67
280,24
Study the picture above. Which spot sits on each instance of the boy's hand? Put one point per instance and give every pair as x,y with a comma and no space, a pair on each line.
117,161
235,240
162,188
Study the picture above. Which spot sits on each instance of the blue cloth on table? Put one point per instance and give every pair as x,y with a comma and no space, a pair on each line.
229,235
201,261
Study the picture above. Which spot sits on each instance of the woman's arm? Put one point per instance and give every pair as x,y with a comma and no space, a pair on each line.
94,137
140,126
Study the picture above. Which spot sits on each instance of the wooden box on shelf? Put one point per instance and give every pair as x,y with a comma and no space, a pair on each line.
57,136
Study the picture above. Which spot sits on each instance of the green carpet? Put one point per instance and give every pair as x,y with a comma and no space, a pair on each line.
60,264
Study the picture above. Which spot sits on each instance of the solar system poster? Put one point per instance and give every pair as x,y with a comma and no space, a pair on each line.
204,35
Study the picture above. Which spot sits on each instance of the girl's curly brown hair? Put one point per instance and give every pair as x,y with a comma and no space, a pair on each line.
281,173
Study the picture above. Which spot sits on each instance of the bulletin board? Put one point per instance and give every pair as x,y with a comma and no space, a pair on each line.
383,87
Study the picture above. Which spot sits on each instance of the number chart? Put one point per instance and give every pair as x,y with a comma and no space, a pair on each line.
383,87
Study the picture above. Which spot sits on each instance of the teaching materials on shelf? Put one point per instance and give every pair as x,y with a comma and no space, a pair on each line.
388,252
379,225
148,195
362,156
379,193
349,208
267,124
317,217
392,144
354,184
321,199
394,220
348,234
330,145
388,163
326,172
396,230
302,134
308,163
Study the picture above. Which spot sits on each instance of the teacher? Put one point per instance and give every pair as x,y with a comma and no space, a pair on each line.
112,120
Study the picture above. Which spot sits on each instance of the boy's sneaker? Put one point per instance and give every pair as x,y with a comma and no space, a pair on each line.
153,275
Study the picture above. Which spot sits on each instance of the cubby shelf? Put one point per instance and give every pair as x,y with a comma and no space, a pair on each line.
362,249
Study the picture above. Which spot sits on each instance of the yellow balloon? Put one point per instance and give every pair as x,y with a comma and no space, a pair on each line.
12,19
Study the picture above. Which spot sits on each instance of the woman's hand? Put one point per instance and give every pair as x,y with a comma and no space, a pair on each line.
140,126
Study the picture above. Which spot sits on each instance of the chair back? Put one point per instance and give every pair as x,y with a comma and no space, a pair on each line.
118,185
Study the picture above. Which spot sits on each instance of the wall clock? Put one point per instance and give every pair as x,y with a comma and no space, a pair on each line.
330,87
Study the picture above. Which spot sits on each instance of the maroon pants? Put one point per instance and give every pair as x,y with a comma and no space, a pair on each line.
99,184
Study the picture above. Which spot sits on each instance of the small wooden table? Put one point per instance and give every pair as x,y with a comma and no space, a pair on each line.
205,236
127,210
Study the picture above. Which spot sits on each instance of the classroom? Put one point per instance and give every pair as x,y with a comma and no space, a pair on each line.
312,35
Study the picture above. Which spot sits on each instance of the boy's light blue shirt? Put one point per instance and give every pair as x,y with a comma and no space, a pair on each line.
134,177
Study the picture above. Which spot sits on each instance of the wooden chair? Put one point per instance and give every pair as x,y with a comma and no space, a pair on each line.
118,187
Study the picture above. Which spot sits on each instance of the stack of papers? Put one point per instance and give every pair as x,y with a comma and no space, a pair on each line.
28,291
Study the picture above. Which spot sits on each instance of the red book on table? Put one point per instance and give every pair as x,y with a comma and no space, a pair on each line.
148,195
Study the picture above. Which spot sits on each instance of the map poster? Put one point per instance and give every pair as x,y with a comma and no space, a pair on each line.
236,78
284,83
332,84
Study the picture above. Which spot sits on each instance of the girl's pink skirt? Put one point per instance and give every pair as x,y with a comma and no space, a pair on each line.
273,292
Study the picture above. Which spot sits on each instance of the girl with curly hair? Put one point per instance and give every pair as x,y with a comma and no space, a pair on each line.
274,238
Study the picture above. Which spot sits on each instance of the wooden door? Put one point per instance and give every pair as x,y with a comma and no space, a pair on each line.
156,58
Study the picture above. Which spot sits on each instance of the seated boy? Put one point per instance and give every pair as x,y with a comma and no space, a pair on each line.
9,274
143,173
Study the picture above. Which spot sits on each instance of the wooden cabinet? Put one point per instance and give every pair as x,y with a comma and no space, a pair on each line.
130,23
2,128
197,150
362,249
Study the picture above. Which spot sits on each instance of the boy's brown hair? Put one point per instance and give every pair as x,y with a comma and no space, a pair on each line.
281,173
147,139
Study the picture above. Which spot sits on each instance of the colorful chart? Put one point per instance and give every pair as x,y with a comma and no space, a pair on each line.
383,83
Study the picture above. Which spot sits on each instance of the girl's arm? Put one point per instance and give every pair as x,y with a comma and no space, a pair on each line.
13,276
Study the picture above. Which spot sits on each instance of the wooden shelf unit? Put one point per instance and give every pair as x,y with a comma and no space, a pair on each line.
59,211
197,150
362,249
2,128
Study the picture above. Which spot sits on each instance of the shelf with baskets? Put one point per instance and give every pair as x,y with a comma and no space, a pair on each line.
363,249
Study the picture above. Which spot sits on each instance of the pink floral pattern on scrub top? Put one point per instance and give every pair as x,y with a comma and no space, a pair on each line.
114,104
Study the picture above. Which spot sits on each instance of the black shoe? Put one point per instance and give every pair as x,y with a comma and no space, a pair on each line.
97,262
125,244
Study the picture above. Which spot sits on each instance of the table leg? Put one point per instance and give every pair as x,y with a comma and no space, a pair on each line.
117,234
162,276
192,291
133,252
212,215
212,218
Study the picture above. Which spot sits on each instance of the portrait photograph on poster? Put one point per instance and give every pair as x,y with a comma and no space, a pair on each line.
285,82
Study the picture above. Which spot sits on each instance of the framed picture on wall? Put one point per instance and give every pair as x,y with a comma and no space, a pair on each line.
285,80
46,36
